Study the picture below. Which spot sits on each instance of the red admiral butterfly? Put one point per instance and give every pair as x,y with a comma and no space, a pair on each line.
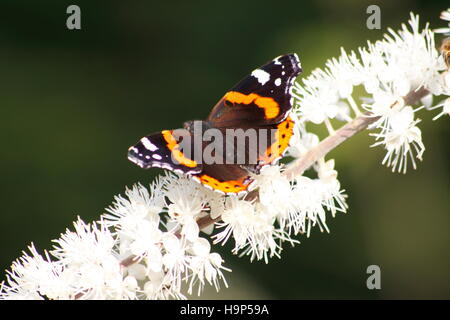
262,100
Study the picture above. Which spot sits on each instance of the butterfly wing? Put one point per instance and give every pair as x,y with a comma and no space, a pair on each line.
234,178
225,178
166,149
261,98
277,144
254,148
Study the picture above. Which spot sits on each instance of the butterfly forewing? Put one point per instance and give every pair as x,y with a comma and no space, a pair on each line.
263,97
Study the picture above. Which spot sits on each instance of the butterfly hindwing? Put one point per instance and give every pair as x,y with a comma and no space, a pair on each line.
277,144
225,178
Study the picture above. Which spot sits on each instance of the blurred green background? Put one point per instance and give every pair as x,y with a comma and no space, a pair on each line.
72,102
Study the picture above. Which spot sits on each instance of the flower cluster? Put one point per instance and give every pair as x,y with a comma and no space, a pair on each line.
403,64
285,208
153,242
149,244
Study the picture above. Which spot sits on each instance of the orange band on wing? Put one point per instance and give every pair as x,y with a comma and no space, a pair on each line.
285,131
270,106
233,186
176,153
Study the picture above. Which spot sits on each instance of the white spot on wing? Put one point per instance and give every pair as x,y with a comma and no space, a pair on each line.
276,61
156,156
298,60
278,82
261,75
148,145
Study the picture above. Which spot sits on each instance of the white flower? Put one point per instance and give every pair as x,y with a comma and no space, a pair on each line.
175,259
325,170
389,70
252,230
154,289
127,214
33,277
161,287
137,271
274,190
186,200
445,105
309,199
445,15
333,197
90,262
302,140
309,209
89,242
384,105
216,205
86,268
145,240
317,99
205,266
402,139
404,61
325,94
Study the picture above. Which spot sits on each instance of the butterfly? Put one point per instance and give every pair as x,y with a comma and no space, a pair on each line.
259,103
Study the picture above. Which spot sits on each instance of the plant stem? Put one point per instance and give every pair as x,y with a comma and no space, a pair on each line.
325,146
